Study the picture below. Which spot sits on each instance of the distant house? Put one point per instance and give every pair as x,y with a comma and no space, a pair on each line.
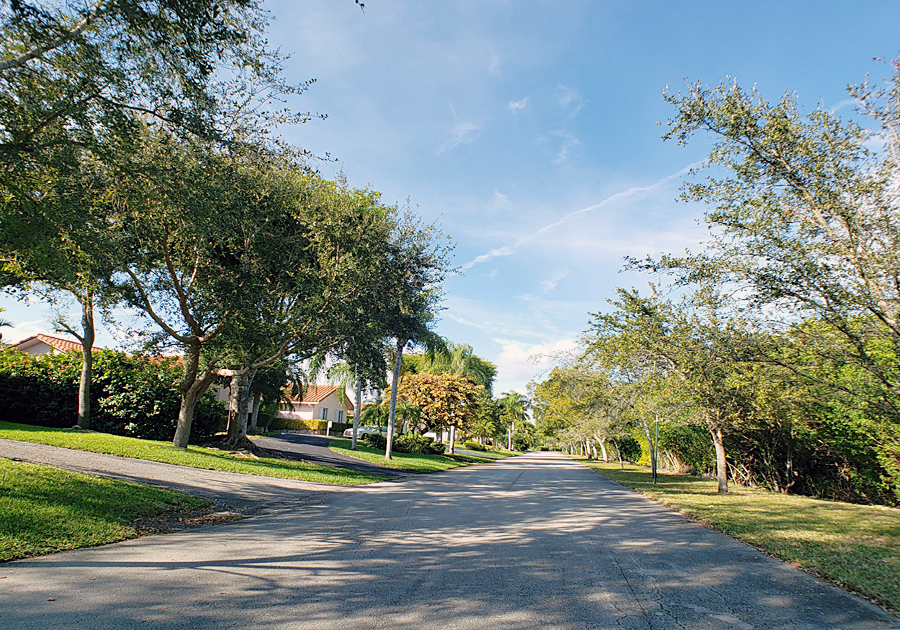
319,402
47,344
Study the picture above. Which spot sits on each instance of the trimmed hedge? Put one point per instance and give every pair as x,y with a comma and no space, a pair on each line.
407,443
306,424
134,396
472,445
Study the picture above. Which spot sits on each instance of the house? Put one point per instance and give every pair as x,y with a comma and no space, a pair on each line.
47,344
319,402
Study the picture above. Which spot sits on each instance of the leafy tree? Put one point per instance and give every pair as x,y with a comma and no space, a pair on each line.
443,400
804,219
513,408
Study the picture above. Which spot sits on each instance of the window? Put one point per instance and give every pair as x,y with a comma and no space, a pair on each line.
340,415
324,413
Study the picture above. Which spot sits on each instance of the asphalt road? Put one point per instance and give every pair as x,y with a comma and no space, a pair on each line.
535,541
314,448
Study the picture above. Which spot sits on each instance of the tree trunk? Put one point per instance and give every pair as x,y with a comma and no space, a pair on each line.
358,409
453,439
605,455
240,407
191,390
395,385
721,466
87,362
257,402
652,448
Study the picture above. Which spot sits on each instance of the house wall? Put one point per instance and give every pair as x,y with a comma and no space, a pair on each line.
38,347
309,411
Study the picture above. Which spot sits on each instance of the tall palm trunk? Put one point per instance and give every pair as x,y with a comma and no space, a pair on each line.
395,385
87,361
358,403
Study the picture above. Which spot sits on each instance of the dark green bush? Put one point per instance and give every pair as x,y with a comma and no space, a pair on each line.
472,445
413,443
629,448
131,395
374,440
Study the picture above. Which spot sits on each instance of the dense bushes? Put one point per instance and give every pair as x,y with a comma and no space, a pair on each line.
131,395
411,442
407,443
472,445
307,424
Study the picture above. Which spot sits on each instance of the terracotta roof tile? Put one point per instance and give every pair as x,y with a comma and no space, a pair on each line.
63,345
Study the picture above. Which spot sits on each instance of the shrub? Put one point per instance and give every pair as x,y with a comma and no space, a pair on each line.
374,440
472,445
413,443
306,424
131,395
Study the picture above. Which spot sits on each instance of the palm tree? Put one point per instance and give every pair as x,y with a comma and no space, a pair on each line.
3,322
513,408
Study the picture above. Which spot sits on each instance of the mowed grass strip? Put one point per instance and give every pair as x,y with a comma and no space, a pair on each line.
193,456
855,546
45,509
413,462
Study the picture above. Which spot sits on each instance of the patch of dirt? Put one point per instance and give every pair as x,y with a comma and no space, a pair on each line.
182,520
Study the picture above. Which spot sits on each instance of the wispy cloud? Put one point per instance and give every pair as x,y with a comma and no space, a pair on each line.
516,106
518,361
508,250
570,145
570,100
463,132
550,284
494,65
499,200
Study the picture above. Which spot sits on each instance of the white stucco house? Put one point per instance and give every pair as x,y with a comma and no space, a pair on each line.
47,344
319,402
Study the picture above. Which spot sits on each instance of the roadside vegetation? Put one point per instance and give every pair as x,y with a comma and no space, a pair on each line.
192,456
413,462
45,509
854,546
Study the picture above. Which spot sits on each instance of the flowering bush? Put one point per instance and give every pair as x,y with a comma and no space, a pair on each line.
135,396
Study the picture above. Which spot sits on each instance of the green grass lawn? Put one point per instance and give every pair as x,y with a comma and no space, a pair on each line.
45,509
855,546
193,456
406,461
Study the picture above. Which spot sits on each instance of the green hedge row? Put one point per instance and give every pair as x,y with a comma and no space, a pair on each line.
304,424
134,396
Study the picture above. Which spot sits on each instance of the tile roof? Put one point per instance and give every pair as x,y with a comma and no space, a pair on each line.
63,345
318,393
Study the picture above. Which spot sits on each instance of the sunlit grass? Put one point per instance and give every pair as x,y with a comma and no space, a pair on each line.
45,509
857,546
406,461
193,456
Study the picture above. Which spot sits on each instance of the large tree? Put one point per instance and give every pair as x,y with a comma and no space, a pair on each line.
804,221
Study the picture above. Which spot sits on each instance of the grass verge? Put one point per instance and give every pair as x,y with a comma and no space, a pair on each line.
407,461
193,456
45,509
854,546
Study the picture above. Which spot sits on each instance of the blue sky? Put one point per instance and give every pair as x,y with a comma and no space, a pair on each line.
529,131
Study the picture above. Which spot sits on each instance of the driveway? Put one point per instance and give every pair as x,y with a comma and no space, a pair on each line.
536,541
314,448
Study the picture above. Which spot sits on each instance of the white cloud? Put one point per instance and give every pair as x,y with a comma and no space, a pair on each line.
522,362
515,106
463,133
494,253
494,65
569,99
498,201
550,284
18,332
570,146
635,191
